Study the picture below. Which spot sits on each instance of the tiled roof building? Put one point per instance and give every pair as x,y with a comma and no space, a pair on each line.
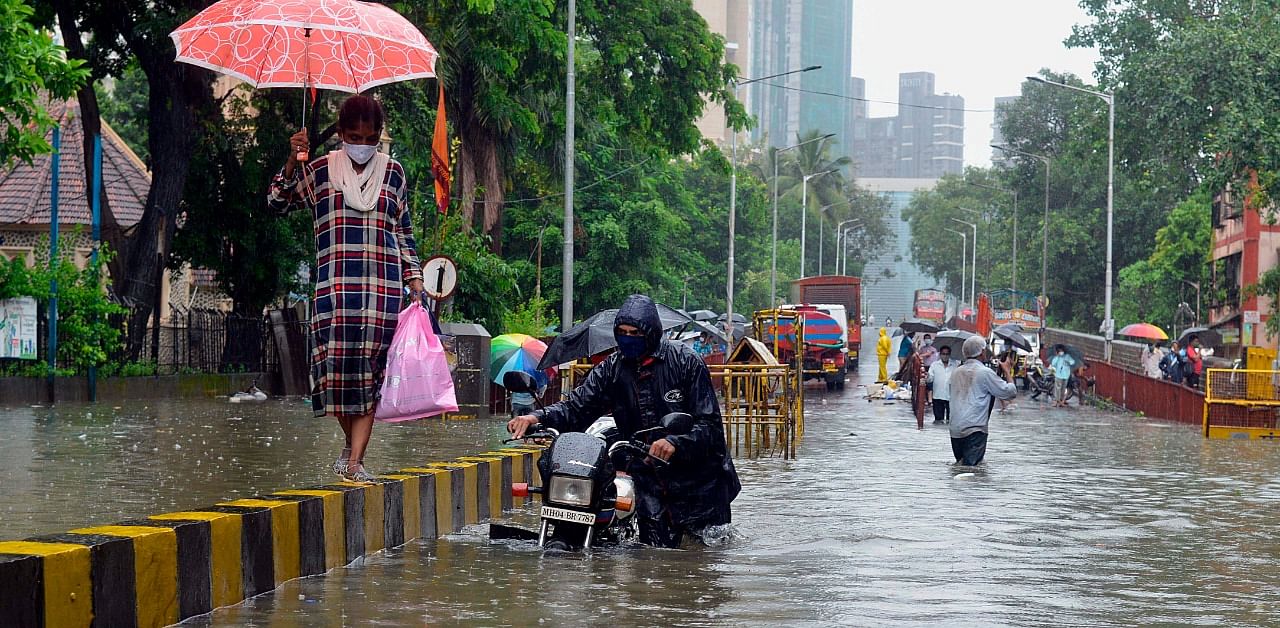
25,188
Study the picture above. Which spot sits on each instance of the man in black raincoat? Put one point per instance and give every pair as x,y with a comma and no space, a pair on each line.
645,379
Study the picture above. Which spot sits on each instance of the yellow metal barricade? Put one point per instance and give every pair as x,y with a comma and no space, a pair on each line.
1242,403
762,406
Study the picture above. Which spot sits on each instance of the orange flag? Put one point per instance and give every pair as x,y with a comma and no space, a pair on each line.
440,156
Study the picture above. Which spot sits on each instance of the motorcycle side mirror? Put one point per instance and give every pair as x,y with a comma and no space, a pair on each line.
677,423
519,381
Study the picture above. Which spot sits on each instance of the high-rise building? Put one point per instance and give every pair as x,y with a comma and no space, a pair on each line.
889,281
924,141
729,19
998,157
787,35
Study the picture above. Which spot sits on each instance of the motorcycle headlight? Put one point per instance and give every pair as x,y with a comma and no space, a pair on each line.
570,491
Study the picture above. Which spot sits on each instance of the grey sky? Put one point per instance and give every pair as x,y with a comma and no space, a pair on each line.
978,49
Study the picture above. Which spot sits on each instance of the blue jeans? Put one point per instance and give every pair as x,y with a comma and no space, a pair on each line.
971,449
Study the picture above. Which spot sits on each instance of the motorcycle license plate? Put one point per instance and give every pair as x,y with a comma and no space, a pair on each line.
560,514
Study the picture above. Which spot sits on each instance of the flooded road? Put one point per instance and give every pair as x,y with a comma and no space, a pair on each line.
80,464
1078,517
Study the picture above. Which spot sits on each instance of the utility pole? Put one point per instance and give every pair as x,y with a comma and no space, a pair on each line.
566,302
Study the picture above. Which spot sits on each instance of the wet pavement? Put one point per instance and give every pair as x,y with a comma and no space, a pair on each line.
1078,517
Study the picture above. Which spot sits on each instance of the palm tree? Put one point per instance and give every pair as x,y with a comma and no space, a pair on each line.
812,158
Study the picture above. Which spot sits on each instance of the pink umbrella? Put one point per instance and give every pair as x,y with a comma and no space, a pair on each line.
344,45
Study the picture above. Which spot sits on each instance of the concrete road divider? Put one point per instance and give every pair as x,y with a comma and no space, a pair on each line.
166,568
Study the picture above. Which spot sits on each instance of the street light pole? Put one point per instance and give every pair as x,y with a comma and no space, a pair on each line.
1013,274
1045,225
773,263
733,193
1108,324
822,221
839,235
804,213
566,272
964,249
973,281
842,238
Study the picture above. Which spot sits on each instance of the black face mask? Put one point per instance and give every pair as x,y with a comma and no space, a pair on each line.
633,347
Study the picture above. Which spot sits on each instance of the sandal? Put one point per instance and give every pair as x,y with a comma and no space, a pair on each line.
340,466
356,473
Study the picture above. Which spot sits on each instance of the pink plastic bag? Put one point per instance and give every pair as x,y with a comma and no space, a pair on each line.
417,383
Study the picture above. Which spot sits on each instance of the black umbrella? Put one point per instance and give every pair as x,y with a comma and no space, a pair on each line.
917,326
1012,334
595,335
715,330
1208,337
703,315
952,339
737,318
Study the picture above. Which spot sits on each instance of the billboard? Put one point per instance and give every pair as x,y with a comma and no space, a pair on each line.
18,328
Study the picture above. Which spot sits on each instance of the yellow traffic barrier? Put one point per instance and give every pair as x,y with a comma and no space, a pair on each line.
1242,404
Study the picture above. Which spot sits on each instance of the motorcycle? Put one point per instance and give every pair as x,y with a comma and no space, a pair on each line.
1040,381
588,495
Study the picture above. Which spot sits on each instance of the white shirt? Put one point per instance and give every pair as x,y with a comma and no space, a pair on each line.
940,377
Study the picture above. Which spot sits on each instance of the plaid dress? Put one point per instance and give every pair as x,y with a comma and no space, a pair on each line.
363,261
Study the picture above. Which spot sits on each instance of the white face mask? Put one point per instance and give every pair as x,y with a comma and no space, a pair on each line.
359,153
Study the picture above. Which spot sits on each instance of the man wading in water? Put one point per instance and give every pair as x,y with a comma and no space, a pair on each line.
974,390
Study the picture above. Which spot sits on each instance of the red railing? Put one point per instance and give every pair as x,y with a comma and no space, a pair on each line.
1155,398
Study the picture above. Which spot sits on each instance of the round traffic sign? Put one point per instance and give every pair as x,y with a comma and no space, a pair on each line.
440,277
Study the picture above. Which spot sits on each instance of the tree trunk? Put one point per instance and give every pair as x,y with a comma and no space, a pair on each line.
494,193
177,93
467,184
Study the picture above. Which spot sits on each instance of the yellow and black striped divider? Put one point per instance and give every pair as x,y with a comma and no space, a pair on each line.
166,568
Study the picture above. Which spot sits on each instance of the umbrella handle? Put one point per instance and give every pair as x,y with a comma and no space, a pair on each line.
302,156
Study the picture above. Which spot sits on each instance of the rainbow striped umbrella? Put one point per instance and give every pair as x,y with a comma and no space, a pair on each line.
516,352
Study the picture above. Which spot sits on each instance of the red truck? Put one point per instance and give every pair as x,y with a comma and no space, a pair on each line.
835,290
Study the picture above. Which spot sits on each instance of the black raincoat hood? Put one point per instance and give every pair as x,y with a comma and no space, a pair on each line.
641,312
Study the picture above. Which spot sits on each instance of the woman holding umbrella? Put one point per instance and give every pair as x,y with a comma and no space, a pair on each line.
365,259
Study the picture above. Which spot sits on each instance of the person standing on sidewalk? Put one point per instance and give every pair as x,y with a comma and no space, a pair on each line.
940,373
974,389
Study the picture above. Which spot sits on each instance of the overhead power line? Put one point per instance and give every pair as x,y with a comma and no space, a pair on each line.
872,100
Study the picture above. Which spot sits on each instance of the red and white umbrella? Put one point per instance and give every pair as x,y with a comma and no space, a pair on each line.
344,45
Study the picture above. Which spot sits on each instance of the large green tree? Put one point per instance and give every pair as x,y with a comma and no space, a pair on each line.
109,35
34,69
644,79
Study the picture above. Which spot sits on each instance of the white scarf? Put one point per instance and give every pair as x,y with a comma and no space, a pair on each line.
359,191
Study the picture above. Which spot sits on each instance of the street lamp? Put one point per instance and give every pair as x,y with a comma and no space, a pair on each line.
733,191
843,239
1196,285
1044,252
773,263
804,211
973,272
821,212
839,235
1014,273
964,249
1108,324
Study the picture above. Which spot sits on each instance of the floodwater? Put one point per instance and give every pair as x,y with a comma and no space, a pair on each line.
77,464
1078,517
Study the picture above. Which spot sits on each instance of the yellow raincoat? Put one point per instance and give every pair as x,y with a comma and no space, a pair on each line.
883,347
